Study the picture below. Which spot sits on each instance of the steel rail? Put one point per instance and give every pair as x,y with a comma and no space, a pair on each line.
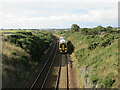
42,69
49,70
67,81
43,59
59,75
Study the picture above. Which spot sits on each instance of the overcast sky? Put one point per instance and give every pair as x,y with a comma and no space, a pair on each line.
58,13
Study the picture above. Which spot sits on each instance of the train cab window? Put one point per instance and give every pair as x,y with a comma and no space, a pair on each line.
60,45
64,46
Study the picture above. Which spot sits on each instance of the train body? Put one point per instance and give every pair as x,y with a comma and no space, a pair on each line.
63,45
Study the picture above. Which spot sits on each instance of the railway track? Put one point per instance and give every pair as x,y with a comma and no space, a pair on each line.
41,78
63,75
46,66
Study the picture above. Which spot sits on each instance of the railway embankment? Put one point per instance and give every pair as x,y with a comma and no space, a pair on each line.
95,57
22,52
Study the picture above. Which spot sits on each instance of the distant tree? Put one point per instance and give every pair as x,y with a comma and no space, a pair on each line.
95,31
100,28
84,30
109,28
75,27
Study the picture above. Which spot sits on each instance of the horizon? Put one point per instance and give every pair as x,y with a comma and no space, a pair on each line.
46,28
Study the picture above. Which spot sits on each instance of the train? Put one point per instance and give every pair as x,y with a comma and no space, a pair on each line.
63,48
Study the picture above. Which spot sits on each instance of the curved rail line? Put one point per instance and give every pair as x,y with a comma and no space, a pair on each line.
43,69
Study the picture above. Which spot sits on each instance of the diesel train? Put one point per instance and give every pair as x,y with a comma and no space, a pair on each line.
63,45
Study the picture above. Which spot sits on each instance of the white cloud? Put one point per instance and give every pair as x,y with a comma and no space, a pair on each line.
60,1
33,15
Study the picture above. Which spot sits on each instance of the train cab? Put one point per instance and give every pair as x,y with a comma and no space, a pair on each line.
63,45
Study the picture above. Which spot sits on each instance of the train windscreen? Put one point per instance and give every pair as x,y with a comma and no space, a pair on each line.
62,44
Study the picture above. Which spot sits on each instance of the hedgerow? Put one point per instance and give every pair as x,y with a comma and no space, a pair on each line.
34,44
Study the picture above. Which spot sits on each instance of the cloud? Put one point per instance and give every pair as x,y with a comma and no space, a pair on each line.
46,15
59,1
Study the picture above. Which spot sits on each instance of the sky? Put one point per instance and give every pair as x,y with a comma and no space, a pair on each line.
42,14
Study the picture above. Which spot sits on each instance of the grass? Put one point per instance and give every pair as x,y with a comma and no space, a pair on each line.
99,53
14,64
10,32
14,30
21,56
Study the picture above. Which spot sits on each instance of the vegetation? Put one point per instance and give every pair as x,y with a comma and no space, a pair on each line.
75,28
21,54
34,44
97,49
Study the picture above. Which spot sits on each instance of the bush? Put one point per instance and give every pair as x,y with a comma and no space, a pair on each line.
93,78
107,82
106,42
34,44
92,46
75,28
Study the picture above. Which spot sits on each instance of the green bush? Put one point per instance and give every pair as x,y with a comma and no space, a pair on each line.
107,82
75,28
106,42
92,46
14,53
94,78
34,44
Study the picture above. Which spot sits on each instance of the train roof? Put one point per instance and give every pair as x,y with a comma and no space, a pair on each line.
62,38
62,41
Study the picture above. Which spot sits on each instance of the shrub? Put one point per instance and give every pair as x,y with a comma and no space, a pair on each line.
94,78
34,44
107,82
105,42
92,46
75,28
14,53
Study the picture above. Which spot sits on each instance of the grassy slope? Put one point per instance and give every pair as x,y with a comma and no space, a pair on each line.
14,62
103,62
18,66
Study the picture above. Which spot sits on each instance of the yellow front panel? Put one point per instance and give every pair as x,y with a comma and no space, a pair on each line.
63,47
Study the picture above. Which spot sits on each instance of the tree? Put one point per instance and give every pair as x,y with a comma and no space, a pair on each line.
109,28
84,30
100,28
75,27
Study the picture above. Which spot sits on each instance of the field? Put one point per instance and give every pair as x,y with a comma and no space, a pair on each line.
9,32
